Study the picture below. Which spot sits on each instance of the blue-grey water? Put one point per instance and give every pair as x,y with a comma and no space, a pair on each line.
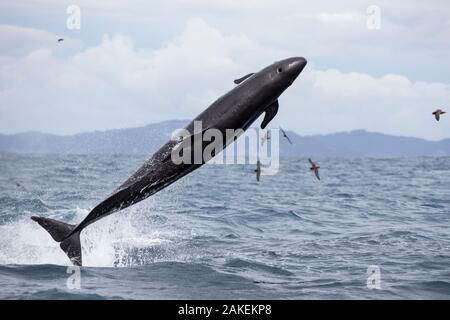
218,234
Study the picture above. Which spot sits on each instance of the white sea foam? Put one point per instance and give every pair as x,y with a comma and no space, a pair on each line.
104,244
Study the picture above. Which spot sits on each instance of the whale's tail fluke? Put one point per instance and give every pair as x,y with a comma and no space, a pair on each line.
72,247
61,232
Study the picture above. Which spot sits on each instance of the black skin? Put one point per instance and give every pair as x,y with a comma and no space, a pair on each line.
237,109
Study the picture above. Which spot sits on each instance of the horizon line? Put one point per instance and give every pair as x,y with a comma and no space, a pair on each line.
187,121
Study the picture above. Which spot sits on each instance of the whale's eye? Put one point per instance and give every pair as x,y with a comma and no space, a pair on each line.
279,70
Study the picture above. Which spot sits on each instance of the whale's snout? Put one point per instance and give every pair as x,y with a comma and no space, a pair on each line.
294,66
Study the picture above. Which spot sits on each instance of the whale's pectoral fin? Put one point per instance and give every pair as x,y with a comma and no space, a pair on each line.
271,112
237,81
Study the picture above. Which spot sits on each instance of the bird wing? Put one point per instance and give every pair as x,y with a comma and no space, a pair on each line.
316,172
285,135
258,174
288,139
310,161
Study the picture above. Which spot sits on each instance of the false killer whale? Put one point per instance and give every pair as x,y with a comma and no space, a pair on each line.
254,94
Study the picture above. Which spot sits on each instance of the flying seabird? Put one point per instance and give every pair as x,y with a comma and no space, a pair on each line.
60,40
285,135
258,170
315,168
437,114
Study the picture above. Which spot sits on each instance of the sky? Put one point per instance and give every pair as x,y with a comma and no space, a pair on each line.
377,65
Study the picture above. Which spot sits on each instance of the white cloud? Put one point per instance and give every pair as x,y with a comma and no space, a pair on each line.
413,40
116,85
331,100
345,17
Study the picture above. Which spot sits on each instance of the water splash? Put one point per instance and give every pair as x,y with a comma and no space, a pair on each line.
118,241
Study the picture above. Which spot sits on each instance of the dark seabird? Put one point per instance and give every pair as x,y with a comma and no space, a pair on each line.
258,170
60,40
315,168
285,135
437,114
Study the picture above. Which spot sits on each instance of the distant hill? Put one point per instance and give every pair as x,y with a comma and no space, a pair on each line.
361,143
142,140
146,140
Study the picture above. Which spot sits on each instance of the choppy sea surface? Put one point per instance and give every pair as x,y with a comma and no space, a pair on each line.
219,234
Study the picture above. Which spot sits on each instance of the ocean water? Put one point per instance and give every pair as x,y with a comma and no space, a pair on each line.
218,234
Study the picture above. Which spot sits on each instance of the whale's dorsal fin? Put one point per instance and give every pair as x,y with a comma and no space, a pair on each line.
237,81
271,112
